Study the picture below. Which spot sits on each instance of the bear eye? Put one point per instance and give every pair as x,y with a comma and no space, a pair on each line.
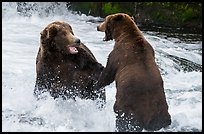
64,33
70,27
72,33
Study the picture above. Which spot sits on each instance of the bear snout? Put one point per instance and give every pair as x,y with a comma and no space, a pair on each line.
98,28
77,41
101,27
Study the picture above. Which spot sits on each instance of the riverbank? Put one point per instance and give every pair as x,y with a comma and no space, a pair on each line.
182,17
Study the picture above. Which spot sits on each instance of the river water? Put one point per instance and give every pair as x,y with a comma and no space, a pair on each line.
179,58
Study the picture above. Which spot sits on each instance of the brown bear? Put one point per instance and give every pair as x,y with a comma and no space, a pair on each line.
140,97
65,67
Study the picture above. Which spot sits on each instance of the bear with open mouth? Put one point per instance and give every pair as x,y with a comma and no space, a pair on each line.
140,97
65,67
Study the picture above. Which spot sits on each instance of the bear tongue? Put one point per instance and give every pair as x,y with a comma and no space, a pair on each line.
72,50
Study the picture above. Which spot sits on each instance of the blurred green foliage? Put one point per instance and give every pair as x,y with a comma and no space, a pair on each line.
110,8
114,7
174,14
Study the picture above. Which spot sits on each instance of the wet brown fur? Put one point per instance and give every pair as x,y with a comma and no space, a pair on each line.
140,97
61,73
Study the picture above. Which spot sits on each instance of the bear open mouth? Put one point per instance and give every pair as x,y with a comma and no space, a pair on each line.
72,50
107,37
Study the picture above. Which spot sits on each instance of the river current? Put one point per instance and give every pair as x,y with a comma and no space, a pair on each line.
179,59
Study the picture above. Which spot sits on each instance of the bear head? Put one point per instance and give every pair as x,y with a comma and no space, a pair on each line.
59,37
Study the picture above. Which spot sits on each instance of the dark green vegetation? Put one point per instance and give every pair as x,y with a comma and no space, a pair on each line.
185,16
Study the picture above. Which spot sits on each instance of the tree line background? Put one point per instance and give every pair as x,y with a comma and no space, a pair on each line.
169,16
174,15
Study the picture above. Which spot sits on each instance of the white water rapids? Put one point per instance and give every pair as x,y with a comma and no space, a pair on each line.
180,63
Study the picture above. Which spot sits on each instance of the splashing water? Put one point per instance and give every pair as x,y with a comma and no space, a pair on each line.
179,61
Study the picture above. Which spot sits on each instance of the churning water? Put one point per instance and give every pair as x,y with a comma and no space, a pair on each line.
180,63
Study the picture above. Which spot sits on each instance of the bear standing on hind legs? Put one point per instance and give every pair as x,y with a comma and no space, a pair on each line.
140,97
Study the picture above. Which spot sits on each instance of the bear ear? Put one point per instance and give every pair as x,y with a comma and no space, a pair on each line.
48,34
133,18
52,31
118,17
43,37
